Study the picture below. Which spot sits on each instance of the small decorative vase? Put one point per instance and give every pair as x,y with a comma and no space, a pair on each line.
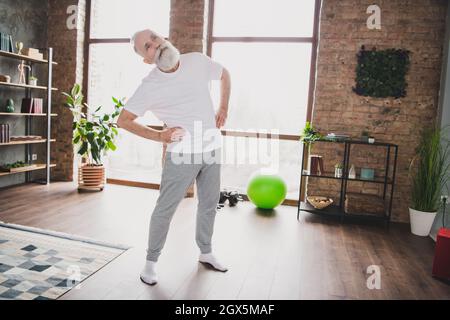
10,106
19,47
352,172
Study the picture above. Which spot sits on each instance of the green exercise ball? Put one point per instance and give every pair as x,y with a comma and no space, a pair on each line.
266,191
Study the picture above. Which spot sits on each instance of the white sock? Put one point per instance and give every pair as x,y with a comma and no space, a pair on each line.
210,259
148,275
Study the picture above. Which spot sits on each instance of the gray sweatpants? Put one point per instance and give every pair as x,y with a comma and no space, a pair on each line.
176,179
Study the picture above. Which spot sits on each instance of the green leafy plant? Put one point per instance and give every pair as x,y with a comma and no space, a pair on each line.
93,133
429,170
382,73
17,164
33,78
339,166
310,134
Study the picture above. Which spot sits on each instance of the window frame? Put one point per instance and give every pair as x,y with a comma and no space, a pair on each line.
87,45
209,42
313,40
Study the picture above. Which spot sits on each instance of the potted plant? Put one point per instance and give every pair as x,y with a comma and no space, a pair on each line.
310,134
32,81
308,137
93,135
338,169
429,172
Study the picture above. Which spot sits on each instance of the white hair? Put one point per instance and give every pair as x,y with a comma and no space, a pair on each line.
167,56
134,36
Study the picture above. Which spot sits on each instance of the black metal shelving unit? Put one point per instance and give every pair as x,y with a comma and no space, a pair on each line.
29,117
338,209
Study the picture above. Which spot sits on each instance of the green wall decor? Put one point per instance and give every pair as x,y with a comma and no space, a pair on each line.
381,73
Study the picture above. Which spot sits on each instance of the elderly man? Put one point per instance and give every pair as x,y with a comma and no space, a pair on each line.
177,92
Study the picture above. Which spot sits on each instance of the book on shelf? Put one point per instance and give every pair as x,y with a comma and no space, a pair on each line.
11,47
28,51
37,105
316,165
32,105
27,105
4,133
33,53
2,42
6,42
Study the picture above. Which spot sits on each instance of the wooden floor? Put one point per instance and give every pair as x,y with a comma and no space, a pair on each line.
269,256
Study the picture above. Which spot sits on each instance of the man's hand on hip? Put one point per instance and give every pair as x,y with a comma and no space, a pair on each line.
221,117
170,135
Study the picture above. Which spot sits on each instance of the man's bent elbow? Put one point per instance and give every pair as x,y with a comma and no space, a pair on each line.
120,122
125,118
225,74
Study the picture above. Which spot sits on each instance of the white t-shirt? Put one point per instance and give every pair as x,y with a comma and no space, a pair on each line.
182,99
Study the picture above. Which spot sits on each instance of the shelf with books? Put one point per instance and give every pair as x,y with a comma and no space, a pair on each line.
34,108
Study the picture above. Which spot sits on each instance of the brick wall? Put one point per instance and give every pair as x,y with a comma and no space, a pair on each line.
417,26
68,52
187,25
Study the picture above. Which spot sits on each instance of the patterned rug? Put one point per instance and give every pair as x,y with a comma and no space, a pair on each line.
37,264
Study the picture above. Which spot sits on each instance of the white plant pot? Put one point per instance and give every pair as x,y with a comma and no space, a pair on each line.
421,222
32,82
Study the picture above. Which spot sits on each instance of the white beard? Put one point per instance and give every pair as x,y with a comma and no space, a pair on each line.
167,56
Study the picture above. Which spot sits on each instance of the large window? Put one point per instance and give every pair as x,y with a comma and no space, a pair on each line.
268,46
119,19
115,70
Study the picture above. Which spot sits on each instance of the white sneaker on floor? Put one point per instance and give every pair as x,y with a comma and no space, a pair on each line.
210,260
148,275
